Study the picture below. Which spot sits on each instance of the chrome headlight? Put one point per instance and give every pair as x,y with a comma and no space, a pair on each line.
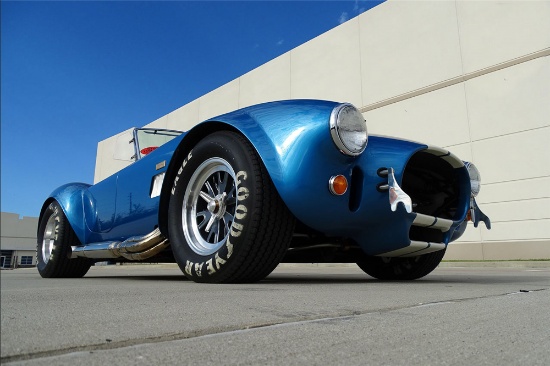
348,129
475,178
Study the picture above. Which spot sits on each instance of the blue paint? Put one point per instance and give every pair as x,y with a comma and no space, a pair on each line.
293,140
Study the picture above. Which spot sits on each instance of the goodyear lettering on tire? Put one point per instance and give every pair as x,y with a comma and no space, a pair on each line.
213,265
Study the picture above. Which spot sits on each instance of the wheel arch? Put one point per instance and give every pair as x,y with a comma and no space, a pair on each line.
282,134
182,151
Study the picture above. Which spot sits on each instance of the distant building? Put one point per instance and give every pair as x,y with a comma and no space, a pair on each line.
18,240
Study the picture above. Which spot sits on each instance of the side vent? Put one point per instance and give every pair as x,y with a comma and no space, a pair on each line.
356,189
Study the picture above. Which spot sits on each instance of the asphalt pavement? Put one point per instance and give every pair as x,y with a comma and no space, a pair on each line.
482,313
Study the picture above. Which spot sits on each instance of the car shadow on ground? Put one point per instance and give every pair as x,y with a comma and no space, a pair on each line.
325,279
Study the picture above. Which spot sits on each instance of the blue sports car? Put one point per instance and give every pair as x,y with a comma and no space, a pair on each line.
287,181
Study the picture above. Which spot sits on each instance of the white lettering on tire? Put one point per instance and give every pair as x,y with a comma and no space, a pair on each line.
241,173
180,170
188,266
214,264
240,212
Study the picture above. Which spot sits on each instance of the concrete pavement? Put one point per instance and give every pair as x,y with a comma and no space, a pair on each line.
301,314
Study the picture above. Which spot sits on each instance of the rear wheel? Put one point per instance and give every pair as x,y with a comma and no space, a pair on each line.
53,249
226,221
400,268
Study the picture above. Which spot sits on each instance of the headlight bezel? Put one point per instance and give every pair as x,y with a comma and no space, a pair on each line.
343,127
475,178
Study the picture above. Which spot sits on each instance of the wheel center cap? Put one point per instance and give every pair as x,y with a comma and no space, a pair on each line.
217,205
213,206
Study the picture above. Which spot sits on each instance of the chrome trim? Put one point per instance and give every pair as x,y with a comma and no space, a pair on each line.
156,187
210,206
133,248
477,215
160,165
48,239
396,194
414,249
446,155
335,134
315,247
331,185
147,253
432,222
472,172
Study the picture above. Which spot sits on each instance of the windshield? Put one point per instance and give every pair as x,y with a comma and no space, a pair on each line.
148,139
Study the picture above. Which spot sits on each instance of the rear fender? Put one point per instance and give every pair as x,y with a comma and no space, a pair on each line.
77,205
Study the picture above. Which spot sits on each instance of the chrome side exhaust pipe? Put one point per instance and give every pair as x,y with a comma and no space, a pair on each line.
136,248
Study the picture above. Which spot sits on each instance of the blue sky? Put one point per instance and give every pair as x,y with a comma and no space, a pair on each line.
76,73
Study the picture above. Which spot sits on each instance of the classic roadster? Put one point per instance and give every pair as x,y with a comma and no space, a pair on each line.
287,181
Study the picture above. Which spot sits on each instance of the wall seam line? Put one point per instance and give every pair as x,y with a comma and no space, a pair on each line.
456,80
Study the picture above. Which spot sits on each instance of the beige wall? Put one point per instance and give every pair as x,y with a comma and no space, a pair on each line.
471,76
18,235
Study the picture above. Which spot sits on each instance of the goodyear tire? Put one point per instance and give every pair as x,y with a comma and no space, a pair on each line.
226,221
404,268
55,237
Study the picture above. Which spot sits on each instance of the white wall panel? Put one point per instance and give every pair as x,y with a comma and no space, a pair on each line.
329,66
518,156
438,118
222,100
185,117
406,46
518,230
100,155
464,251
463,151
516,250
518,210
471,234
510,100
524,189
492,32
267,83
161,122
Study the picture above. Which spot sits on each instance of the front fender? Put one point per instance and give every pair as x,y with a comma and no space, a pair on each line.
291,137
293,141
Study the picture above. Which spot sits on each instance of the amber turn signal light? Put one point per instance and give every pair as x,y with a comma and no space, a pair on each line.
338,185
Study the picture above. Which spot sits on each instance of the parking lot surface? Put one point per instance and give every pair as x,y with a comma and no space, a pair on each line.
461,314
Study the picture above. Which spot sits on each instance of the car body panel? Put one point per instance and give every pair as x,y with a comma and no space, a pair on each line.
293,141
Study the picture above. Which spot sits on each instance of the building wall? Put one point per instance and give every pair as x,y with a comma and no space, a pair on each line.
18,239
470,76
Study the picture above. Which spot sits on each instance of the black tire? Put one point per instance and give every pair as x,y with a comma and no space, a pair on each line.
53,249
249,226
400,269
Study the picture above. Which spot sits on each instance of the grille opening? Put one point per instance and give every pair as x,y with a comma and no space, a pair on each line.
356,189
433,185
419,233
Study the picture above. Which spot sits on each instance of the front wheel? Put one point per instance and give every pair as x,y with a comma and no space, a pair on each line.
53,249
400,268
226,221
